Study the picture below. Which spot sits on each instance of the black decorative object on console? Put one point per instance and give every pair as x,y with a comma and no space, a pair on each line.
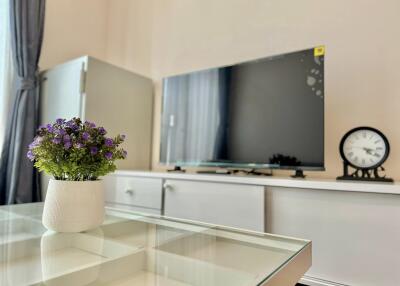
364,149
298,174
177,169
284,160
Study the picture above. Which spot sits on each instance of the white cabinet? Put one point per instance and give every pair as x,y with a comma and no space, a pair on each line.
117,99
140,194
110,96
234,205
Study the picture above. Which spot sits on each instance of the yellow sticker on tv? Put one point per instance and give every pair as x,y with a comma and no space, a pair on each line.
319,51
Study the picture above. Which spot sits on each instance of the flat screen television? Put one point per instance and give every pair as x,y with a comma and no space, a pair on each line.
264,113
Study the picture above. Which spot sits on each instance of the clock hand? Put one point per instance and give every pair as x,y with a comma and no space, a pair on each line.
368,150
359,147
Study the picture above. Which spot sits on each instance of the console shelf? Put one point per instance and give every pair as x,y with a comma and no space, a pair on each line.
275,181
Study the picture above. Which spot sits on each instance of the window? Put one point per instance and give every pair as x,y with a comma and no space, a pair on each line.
6,72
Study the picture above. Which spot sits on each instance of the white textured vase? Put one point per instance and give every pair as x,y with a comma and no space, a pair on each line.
73,206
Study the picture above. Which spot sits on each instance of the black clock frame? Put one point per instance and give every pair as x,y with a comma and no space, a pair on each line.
364,173
385,140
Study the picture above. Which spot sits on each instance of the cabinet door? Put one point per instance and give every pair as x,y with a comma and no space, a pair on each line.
234,205
355,235
122,102
61,91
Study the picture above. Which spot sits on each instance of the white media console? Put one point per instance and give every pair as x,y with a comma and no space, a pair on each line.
354,226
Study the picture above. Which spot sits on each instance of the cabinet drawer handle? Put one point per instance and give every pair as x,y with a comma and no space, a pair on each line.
129,192
168,187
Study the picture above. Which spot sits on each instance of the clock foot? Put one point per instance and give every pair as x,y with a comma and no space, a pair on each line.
369,175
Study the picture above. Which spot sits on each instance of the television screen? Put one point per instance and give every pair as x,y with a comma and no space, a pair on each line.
265,113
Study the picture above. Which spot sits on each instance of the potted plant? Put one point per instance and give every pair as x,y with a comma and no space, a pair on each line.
76,154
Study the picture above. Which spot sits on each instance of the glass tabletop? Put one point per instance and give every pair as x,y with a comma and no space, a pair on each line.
137,249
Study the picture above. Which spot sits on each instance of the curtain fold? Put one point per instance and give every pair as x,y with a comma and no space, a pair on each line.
19,181
6,67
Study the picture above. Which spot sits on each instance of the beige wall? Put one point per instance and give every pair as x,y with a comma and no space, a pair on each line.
362,54
129,34
161,38
74,28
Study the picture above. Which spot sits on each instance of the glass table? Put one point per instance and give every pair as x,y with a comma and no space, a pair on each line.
139,249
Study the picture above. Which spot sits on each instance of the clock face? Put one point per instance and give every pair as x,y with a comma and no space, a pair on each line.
364,148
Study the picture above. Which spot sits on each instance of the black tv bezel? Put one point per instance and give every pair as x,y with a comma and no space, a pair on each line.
244,165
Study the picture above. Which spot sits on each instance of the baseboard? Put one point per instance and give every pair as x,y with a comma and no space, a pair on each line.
311,281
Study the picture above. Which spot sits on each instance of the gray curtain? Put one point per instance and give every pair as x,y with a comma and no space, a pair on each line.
19,181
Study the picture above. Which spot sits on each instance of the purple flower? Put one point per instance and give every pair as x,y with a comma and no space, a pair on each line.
124,153
32,145
71,124
93,150
56,140
60,121
85,136
66,138
79,145
90,124
50,128
102,131
36,142
30,155
67,145
108,155
60,131
108,142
